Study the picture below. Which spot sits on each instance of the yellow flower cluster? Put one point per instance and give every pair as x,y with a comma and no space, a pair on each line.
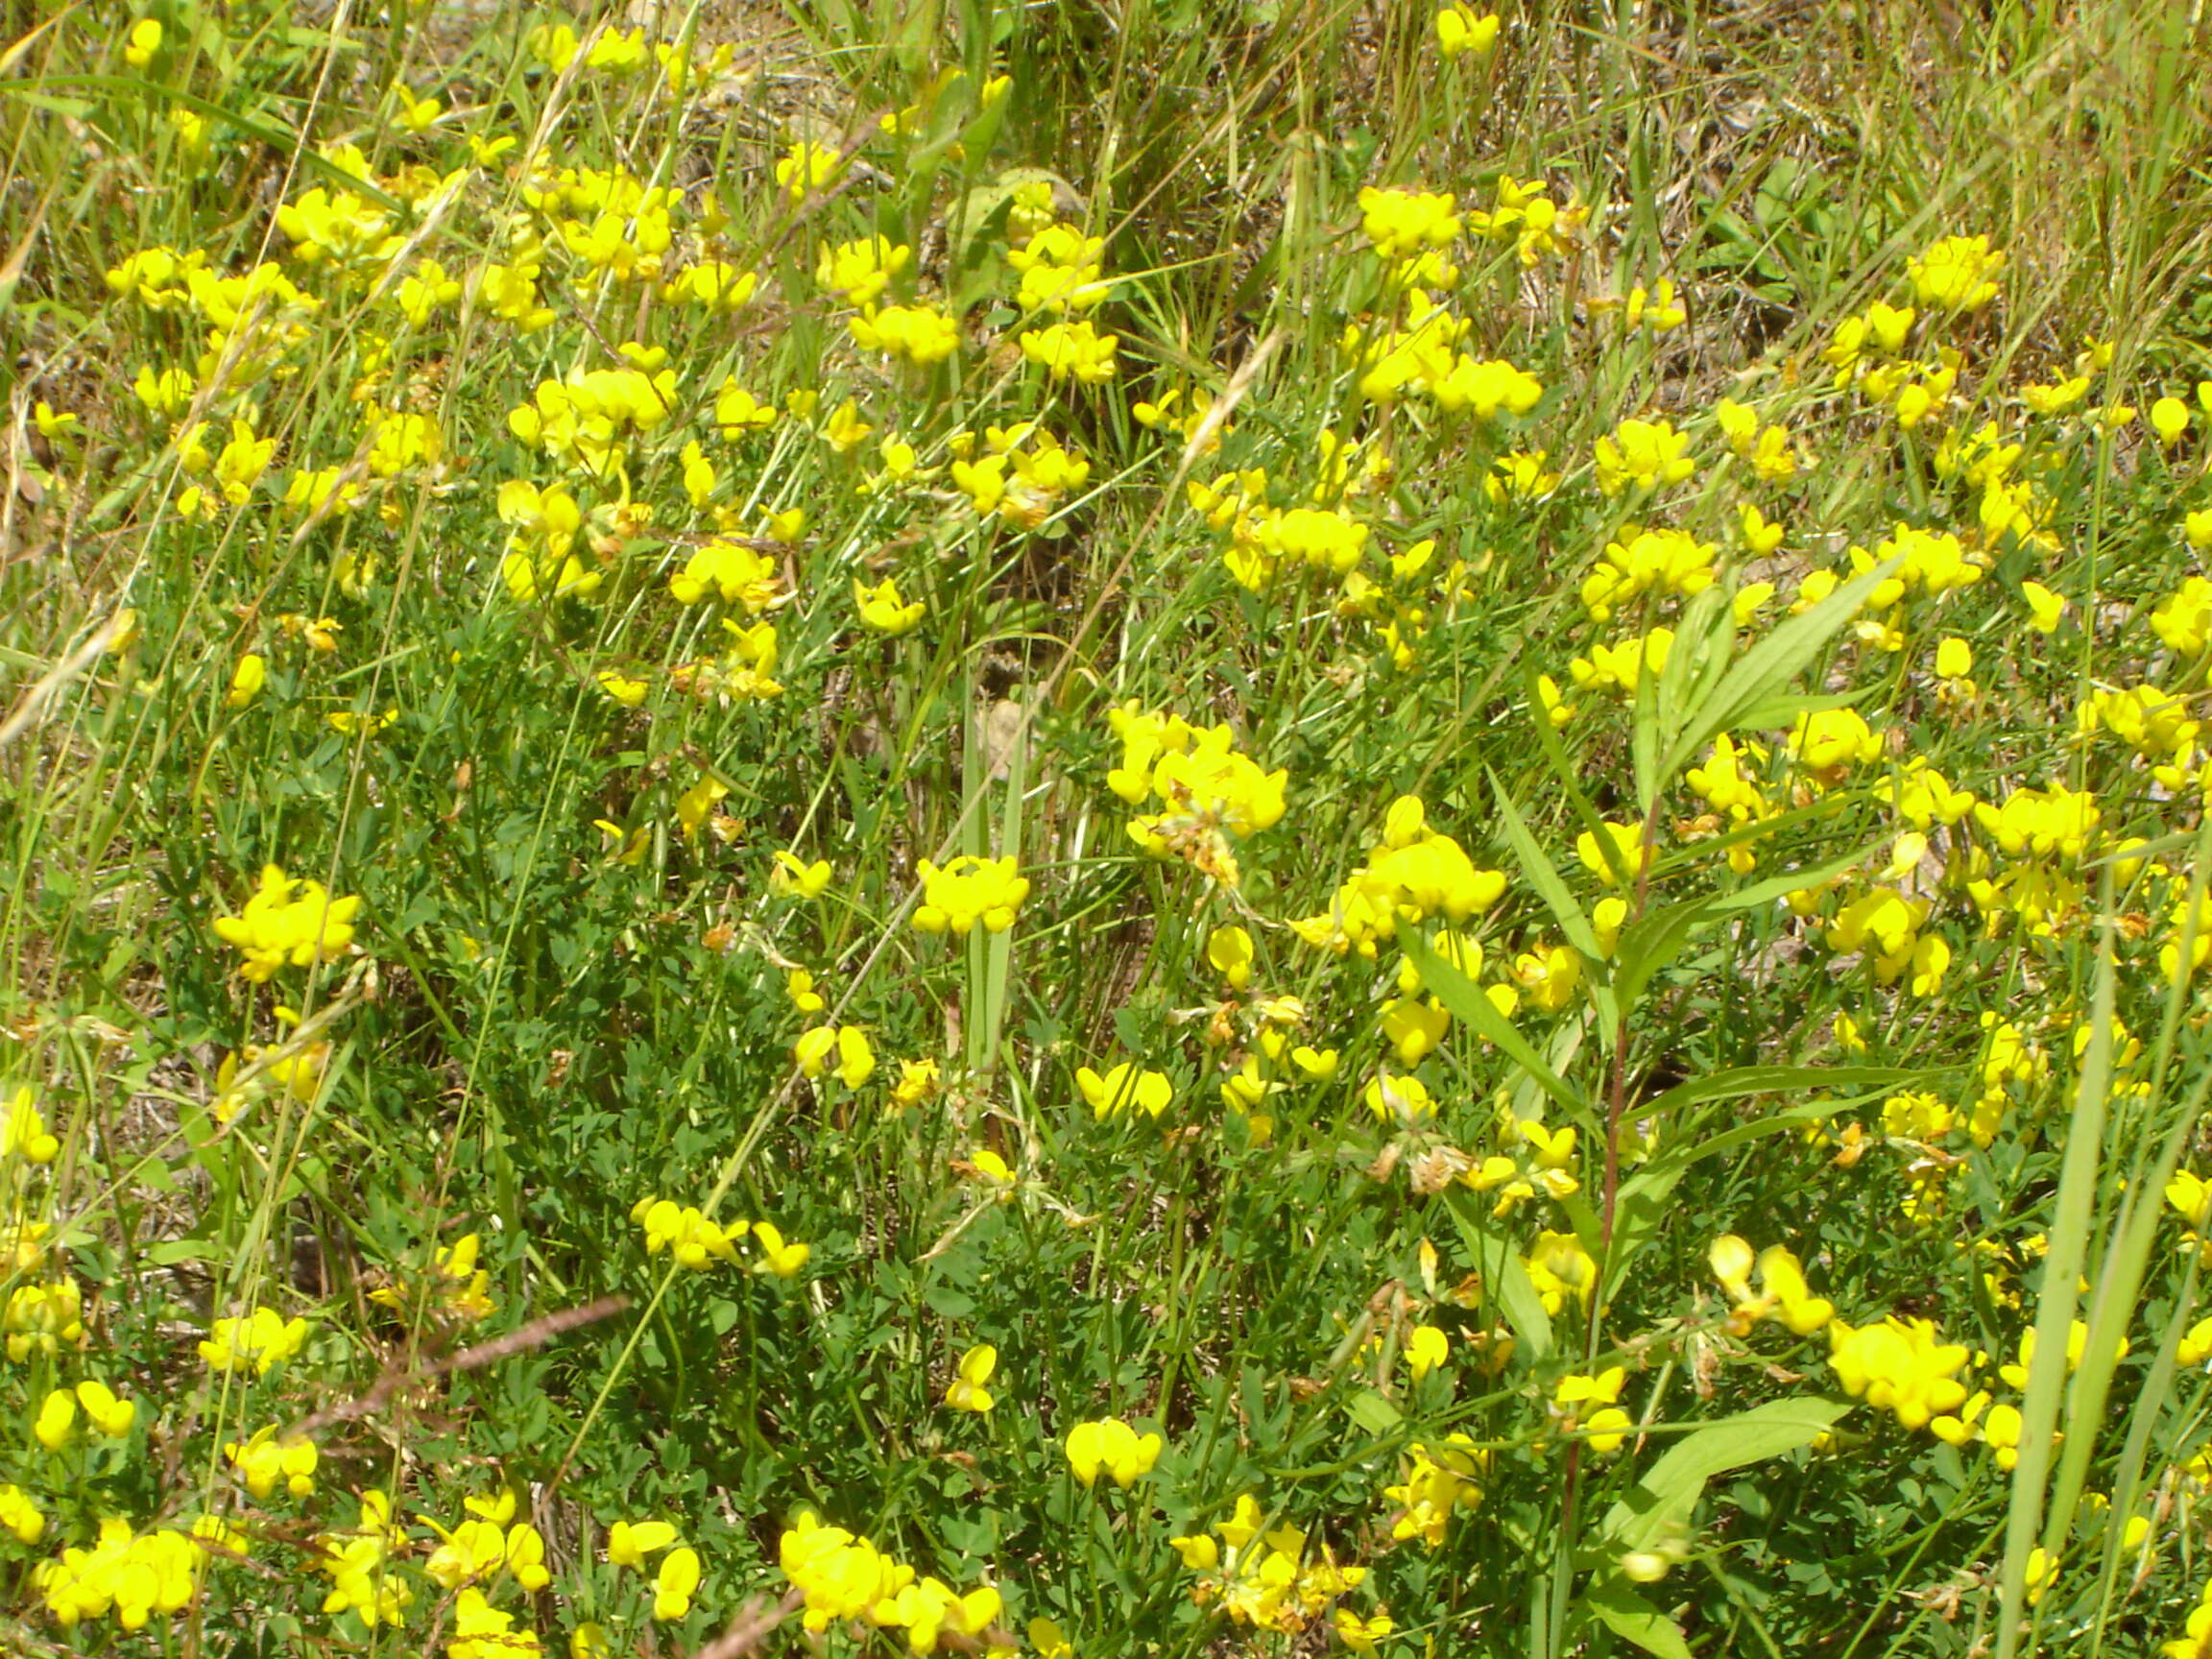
1416,873
1590,1406
1020,473
1561,1269
1783,1295
674,1582
1122,1086
697,1242
263,1340
1899,1365
1402,222
1646,561
1956,274
1060,269
858,272
125,1575
357,1561
288,922
1525,214
843,1579
1643,455
265,1458
1207,787
1065,349
1423,357
1259,1576
740,573
915,334
968,890
1440,1480
1110,1447
587,418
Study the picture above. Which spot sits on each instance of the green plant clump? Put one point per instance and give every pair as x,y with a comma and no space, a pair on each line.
1146,828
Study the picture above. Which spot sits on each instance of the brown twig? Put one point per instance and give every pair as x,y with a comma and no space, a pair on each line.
534,1334
755,1620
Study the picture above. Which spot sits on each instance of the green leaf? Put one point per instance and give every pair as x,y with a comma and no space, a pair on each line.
1650,943
1704,641
1374,1413
1545,877
1464,999
1505,1275
1633,1618
1761,893
1668,1491
1738,1081
1769,666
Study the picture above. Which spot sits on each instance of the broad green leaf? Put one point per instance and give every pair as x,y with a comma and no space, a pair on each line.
1464,999
1650,943
1741,1080
1769,666
1505,1275
1374,1413
1704,639
1761,893
2072,1219
1545,877
1668,1491
1640,1209
1563,770
1632,1618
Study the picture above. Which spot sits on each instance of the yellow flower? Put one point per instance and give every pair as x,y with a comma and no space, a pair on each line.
263,1460
1618,859
674,1585
247,680
1401,222
920,334
56,1420
106,1412
1460,29
784,1260
2169,418
20,1516
1111,1448
918,1080
1645,453
854,1062
807,167
968,1392
263,1340
799,984
695,803
629,1542
1125,1085
1954,273
142,42
23,1130
858,272
288,922
685,1233
1229,953
1071,348
1899,1365
792,874
1426,1347
880,609
967,891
